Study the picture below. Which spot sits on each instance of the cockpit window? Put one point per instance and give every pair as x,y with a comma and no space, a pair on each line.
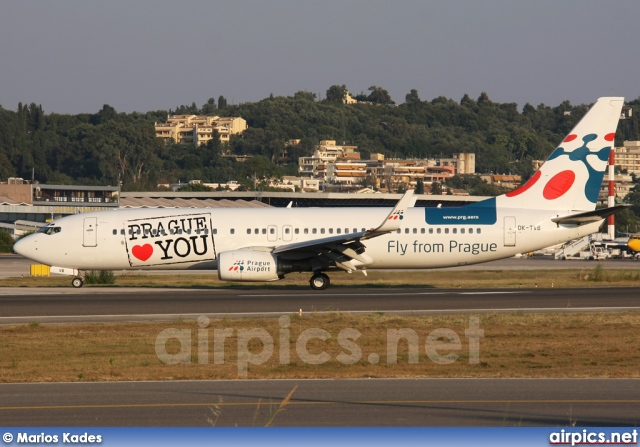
50,230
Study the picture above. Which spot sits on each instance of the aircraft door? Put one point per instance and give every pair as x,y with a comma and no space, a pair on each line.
509,231
90,232
272,233
287,233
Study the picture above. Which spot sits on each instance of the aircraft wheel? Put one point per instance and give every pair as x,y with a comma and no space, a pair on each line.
77,282
319,281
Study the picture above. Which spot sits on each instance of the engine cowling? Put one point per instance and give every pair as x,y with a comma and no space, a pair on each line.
247,265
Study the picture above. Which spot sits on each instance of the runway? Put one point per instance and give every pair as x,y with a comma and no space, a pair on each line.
352,402
114,304
12,265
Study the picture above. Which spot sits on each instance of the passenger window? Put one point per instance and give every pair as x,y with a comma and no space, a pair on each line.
287,230
248,230
215,231
321,230
455,231
272,231
314,231
461,230
306,231
338,230
256,231
415,231
233,231
115,232
439,230
398,231
406,231
446,231
355,230
470,230
122,232
346,231
479,230
330,230
430,230
297,231
264,231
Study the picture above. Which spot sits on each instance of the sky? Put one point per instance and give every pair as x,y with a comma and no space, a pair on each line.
141,55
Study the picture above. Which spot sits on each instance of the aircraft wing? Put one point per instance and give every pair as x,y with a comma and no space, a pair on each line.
342,249
589,216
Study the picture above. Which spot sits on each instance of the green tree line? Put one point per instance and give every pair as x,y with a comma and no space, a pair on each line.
112,148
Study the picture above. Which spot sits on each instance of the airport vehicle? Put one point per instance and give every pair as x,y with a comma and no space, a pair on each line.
556,205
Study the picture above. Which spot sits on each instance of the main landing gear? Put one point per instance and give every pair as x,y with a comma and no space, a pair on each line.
319,281
77,282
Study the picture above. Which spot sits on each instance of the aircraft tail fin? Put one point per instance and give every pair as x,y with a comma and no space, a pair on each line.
570,179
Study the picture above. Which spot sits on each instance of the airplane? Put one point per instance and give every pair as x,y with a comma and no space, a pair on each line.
557,204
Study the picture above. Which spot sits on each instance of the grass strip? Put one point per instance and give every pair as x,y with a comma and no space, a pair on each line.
513,345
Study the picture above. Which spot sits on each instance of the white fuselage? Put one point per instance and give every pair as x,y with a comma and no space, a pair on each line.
178,238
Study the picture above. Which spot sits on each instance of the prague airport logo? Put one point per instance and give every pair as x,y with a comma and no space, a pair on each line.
237,266
397,215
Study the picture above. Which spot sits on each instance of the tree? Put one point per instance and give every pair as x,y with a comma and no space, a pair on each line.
379,95
336,93
210,107
195,187
436,189
627,221
222,103
633,198
106,114
6,242
412,98
305,96
483,98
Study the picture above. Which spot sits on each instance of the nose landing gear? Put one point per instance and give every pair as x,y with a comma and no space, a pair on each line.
77,282
319,281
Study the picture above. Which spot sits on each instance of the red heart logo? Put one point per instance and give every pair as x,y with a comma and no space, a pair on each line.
142,252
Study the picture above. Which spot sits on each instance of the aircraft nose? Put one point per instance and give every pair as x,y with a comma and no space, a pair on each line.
24,247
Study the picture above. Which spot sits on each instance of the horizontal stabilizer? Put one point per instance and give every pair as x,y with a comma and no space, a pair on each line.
589,216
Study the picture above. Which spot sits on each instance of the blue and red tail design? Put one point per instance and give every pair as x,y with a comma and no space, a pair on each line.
570,179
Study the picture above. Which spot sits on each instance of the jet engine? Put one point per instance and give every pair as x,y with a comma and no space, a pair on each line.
248,265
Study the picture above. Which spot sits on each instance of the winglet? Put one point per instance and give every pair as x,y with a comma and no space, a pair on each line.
394,220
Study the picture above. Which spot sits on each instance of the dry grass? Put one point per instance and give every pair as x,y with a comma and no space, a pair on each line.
532,345
593,277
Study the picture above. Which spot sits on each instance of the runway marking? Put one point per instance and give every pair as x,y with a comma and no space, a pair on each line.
489,293
386,294
171,317
294,402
